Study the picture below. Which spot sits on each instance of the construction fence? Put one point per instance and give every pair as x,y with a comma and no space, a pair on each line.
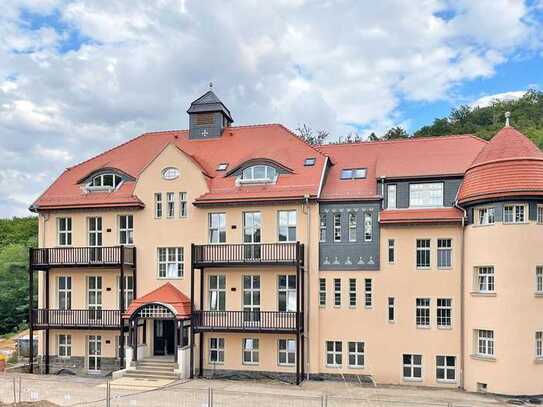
74,391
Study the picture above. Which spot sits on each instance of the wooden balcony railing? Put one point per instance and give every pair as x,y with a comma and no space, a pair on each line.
247,321
76,318
247,254
82,256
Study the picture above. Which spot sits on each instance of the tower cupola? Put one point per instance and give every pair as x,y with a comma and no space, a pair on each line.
208,116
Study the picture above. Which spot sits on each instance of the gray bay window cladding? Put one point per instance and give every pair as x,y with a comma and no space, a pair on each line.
530,215
349,236
402,190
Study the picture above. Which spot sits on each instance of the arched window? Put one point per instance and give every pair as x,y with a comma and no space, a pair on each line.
258,173
106,180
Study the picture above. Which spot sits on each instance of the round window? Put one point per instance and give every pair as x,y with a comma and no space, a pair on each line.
170,173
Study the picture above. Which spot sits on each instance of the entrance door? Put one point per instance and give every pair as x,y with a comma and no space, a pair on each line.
251,298
164,337
95,353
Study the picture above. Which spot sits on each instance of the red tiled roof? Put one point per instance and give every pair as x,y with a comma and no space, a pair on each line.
235,146
420,215
511,164
165,294
417,157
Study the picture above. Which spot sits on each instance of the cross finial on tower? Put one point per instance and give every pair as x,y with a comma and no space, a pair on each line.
210,85
507,116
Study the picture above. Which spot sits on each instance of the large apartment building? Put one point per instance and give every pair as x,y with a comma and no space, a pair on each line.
243,251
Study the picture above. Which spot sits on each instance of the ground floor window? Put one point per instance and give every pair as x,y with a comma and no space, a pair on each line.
250,351
446,368
485,342
216,350
356,354
539,344
95,352
64,346
287,352
412,367
333,353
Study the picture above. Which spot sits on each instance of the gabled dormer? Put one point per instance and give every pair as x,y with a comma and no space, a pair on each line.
208,117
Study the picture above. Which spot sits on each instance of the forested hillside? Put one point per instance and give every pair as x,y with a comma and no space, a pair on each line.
526,116
16,235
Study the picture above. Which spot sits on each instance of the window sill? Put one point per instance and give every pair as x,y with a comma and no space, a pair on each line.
445,268
356,367
538,294
286,364
412,379
482,294
424,268
538,361
515,223
445,328
216,363
250,363
483,358
445,381
423,327
333,366
485,225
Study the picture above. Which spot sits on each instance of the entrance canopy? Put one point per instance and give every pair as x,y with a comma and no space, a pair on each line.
165,302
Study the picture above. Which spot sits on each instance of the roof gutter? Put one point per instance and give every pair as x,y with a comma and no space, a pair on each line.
462,292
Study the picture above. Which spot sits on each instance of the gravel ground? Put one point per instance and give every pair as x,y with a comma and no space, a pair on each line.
76,391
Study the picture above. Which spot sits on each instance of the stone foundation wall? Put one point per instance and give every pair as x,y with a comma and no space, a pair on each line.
248,375
76,365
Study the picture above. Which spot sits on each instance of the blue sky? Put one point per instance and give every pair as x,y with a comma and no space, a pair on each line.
80,76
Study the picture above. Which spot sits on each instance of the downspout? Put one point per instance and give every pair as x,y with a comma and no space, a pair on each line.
462,295
307,281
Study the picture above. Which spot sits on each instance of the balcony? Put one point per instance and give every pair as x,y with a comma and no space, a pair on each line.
247,321
76,319
103,256
224,255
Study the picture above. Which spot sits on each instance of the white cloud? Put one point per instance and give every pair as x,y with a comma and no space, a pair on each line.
485,101
338,66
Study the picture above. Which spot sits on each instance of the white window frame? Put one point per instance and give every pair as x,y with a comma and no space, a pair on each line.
64,232
485,279
391,253
444,251
423,315
286,347
352,292
289,293
368,227
323,231
444,313
322,292
516,213
158,205
64,346
392,190
96,355
539,280
352,220
425,251
413,367
247,175
356,350
539,345
485,343
391,308
486,216
444,366
170,205
539,214
127,229
65,293
337,227
368,293
216,290
337,292
216,345
128,289
183,205
290,225
426,195
216,231
250,348
336,352
170,257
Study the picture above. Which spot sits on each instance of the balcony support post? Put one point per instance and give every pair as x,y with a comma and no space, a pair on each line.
302,307
192,250
121,309
201,307
47,321
298,312
134,271
31,310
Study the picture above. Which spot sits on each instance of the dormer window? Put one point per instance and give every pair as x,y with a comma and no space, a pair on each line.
353,173
309,162
104,181
222,167
258,173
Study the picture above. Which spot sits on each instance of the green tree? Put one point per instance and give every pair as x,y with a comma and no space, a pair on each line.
395,133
